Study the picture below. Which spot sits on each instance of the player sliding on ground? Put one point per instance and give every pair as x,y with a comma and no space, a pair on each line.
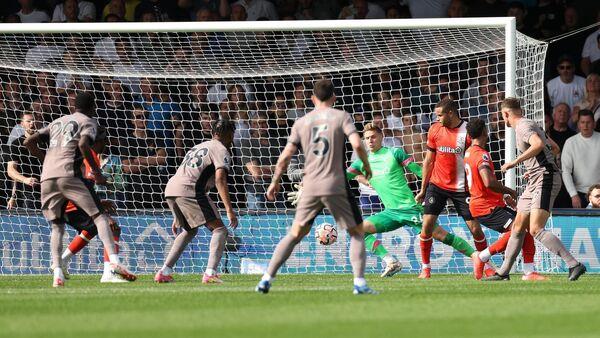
321,134
401,209
534,205
206,165
84,224
487,203
69,141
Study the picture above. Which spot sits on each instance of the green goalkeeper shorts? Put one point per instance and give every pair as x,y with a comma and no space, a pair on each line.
392,219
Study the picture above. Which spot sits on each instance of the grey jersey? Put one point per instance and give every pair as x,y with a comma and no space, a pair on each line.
63,158
196,174
322,136
542,162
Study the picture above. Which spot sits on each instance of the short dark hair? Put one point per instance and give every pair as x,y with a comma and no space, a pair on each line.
511,103
592,188
85,102
323,90
223,127
586,112
475,127
447,104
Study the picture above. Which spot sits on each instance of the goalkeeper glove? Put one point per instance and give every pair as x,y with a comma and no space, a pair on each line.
294,196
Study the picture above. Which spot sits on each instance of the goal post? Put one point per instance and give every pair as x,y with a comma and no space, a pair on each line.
159,85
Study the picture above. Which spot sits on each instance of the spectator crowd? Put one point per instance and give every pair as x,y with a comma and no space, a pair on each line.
152,122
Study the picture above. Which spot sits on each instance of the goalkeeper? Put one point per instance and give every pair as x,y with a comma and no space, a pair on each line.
400,206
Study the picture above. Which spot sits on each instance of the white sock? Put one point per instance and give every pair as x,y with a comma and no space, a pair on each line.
58,273
425,266
485,255
388,259
360,282
528,268
267,277
114,258
107,268
166,271
66,255
210,272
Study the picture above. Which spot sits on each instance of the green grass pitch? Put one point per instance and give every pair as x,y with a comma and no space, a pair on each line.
300,306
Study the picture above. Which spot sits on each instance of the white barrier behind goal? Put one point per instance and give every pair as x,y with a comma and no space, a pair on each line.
159,85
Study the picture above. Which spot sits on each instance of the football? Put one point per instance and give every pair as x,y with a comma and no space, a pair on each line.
326,234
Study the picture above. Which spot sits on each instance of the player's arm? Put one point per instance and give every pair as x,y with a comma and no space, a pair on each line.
408,162
358,147
13,172
354,172
86,150
536,146
32,143
223,189
489,181
280,168
295,170
426,174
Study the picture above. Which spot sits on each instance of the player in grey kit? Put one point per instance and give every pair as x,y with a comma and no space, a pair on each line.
322,134
69,141
535,204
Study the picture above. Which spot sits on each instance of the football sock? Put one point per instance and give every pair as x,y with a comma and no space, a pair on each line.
528,248
179,244
459,244
374,245
485,255
480,243
552,243
217,244
282,252
78,243
165,270
106,255
500,244
56,236
528,268
360,282
513,247
105,234
268,278
358,255
425,244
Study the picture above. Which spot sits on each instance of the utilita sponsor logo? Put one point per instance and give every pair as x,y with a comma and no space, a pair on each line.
457,150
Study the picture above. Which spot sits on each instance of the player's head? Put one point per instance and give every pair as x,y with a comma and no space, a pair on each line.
594,196
510,108
28,122
323,92
85,103
373,136
477,130
447,112
586,123
223,131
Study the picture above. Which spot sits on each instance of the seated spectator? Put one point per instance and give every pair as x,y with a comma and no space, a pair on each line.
560,131
413,139
566,87
594,196
581,160
519,12
427,9
485,8
496,145
159,106
256,9
259,156
471,95
457,9
238,12
204,14
398,107
23,168
157,7
590,55
279,123
361,9
424,95
591,99
300,106
546,17
397,12
74,10
29,12
220,9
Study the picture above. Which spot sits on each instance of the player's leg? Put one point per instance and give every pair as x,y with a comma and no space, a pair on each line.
307,210
53,202
107,275
434,203
528,251
56,246
514,245
462,246
86,230
379,223
216,248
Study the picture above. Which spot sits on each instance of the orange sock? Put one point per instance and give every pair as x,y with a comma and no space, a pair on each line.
500,244
426,244
480,244
80,241
528,248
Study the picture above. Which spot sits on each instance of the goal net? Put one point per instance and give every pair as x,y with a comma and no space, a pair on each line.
159,86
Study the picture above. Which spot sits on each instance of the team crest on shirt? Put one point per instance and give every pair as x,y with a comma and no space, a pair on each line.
485,157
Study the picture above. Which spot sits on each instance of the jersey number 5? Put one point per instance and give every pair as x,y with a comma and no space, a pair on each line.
316,138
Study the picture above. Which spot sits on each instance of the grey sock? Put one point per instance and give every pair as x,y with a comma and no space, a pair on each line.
179,244
552,243
56,243
105,233
358,256
281,254
217,244
515,243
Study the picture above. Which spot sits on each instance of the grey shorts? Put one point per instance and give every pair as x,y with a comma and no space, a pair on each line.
191,213
540,192
343,208
56,192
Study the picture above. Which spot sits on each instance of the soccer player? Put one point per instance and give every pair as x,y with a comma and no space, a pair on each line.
70,138
444,178
84,224
205,166
534,205
487,202
401,209
321,134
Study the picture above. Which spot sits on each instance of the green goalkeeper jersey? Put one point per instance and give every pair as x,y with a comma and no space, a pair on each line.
388,180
